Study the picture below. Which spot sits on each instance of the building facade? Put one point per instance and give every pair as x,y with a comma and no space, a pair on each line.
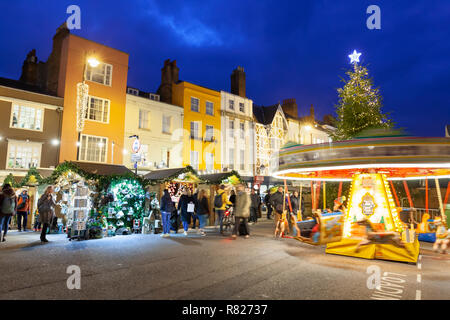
75,61
201,118
29,128
159,126
238,152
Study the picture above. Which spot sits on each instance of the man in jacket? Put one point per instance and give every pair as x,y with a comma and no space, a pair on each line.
295,204
8,207
242,210
23,210
268,204
255,203
221,210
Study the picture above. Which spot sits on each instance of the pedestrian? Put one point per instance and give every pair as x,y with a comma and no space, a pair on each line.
186,208
194,214
295,204
203,211
277,200
268,204
8,207
232,198
167,207
23,210
242,211
220,204
46,207
255,203
37,222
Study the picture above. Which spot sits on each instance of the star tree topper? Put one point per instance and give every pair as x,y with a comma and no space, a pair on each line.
354,57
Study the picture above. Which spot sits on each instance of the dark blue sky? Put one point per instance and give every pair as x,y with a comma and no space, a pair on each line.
289,49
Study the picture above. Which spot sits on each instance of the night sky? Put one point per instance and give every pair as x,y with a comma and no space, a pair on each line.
289,49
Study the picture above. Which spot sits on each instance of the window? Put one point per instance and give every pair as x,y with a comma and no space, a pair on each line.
144,122
93,148
242,130
209,108
24,117
242,160
194,130
231,128
231,104
101,73
98,109
133,91
241,107
154,97
209,161
194,104
194,159
166,124
231,158
209,133
23,155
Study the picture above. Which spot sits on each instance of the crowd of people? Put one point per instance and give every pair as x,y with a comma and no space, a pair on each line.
19,207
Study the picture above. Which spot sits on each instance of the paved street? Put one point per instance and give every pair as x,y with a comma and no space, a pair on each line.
211,267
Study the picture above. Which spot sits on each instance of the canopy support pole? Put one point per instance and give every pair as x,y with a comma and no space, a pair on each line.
447,194
395,194
299,214
408,194
441,207
340,190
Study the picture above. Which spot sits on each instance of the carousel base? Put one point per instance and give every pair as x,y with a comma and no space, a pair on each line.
347,247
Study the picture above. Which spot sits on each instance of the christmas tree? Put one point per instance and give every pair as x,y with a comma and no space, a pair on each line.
360,104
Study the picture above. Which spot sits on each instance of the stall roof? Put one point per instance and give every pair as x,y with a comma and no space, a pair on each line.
103,169
217,178
162,174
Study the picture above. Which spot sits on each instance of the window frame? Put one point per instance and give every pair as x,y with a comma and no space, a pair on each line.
92,136
103,111
170,124
198,105
197,136
42,109
207,161
243,107
148,119
22,142
104,76
231,104
206,108
207,129
197,165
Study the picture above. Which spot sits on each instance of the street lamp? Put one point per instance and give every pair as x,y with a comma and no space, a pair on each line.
308,128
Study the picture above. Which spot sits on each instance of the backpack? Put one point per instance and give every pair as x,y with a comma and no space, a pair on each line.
218,201
22,202
8,205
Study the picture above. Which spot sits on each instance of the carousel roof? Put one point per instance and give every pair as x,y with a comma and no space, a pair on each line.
398,158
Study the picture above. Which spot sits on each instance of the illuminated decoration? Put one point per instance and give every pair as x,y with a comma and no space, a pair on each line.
82,104
367,205
354,57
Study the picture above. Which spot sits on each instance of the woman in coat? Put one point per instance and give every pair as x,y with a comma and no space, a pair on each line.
241,211
202,211
8,207
46,207
167,207
186,206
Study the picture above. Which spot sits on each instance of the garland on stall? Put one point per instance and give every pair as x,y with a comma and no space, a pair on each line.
223,176
32,178
187,169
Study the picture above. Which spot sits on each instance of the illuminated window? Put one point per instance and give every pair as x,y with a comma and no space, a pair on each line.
100,74
93,148
25,117
23,155
98,109
194,104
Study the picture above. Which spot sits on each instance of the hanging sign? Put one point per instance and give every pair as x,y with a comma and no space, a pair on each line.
136,146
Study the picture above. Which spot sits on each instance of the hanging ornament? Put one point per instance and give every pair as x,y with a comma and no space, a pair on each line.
82,101
119,214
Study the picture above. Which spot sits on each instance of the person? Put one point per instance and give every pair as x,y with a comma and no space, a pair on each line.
8,207
295,204
202,211
167,207
268,205
37,222
442,236
276,200
23,210
186,208
255,203
220,204
233,198
194,214
242,211
46,207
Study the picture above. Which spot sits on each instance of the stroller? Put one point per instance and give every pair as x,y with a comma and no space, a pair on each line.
228,220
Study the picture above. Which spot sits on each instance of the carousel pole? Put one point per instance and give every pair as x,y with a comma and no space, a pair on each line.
313,197
299,213
441,207
411,205
447,194
340,190
395,194
426,195
324,196
318,195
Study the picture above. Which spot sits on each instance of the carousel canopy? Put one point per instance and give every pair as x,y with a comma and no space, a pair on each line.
397,158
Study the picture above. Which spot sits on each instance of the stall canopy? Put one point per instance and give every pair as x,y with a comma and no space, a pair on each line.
231,177
187,174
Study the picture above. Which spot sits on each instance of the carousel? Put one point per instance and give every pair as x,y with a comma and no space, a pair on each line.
370,226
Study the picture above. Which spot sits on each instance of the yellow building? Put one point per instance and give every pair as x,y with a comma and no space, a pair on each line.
201,123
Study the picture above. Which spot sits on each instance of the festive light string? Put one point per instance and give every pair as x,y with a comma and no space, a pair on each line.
82,104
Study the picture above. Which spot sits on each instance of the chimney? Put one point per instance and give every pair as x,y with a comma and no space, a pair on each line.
311,112
169,75
54,61
238,82
290,107
30,69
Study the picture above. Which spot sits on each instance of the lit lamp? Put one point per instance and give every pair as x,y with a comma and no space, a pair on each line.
308,128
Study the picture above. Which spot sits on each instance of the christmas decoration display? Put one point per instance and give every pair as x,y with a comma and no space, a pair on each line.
82,104
360,104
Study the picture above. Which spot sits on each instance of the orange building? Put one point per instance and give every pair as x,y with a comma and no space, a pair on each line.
73,61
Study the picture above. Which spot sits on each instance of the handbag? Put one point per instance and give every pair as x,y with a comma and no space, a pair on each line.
190,207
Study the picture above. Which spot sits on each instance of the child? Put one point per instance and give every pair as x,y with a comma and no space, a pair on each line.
37,221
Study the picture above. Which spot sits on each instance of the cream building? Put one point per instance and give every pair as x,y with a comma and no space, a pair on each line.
159,127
